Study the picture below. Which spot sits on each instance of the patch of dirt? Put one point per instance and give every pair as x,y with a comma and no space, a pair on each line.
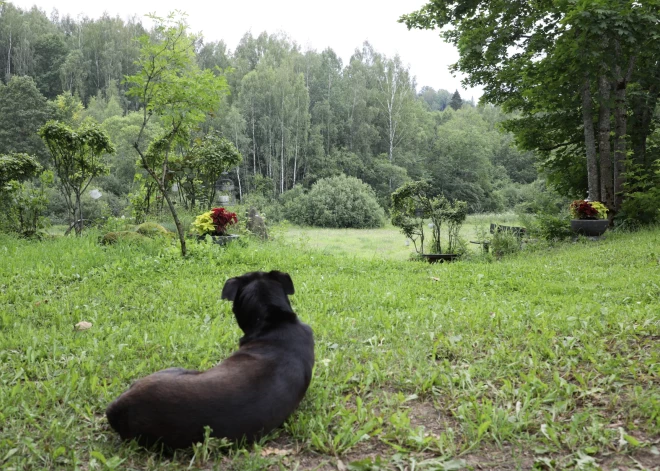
427,415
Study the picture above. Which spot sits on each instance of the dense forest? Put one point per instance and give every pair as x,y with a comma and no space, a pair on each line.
295,115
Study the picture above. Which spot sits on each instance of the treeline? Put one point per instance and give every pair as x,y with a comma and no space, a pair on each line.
295,115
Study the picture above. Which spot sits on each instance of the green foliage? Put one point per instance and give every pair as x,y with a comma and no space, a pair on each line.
337,202
456,101
121,236
77,157
19,167
213,156
23,205
642,189
169,85
505,243
151,229
545,213
572,69
412,205
24,110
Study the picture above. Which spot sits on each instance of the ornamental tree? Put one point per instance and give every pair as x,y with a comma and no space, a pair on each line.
170,87
77,157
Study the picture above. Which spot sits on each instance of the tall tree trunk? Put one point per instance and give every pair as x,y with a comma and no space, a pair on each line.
590,140
604,148
620,130
163,191
8,72
77,219
238,177
254,145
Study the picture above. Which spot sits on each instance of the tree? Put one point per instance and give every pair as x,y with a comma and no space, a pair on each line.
215,155
77,157
24,110
456,101
21,203
169,85
50,53
568,67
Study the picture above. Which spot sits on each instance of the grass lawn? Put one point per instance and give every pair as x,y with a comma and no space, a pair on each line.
547,359
388,242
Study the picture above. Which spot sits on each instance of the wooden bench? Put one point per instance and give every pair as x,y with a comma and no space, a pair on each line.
519,232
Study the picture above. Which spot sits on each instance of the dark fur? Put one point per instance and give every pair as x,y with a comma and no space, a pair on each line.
246,396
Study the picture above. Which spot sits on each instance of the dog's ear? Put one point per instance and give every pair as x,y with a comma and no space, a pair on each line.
231,288
284,279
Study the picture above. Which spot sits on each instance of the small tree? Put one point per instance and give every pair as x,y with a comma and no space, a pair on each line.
412,206
213,156
22,203
456,101
77,160
169,85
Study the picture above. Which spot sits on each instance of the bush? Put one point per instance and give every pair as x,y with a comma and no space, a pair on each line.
505,243
151,229
342,202
23,202
123,236
545,213
641,205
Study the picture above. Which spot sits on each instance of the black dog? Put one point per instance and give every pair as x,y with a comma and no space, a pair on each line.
246,396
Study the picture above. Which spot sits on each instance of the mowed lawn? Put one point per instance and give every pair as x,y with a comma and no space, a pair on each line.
388,242
546,359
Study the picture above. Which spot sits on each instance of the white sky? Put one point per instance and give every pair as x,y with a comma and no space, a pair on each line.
342,25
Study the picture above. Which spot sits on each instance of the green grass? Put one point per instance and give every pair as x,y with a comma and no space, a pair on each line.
548,358
388,242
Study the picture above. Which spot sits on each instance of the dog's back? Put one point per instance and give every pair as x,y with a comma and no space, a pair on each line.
249,394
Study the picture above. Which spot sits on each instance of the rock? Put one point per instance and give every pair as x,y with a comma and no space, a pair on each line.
256,224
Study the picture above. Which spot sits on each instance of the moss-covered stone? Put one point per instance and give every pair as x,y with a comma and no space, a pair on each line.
114,237
151,229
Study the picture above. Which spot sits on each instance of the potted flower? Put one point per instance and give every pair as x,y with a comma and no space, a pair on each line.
589,217
215,224
412,207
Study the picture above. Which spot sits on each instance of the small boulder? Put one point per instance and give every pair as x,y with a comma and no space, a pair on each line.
256,224
114,237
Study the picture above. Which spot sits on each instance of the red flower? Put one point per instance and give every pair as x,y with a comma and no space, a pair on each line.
583,209
222,219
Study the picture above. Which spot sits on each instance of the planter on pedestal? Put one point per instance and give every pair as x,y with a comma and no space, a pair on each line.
589,227
220,239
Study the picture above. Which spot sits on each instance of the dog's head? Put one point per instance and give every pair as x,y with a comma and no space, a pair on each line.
259,298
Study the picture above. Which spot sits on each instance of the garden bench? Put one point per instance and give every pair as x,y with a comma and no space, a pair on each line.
519,232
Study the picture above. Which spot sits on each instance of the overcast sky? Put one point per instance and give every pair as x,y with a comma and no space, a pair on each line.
342,25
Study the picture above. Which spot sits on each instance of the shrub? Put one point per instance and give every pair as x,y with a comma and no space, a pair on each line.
545,213
641,205
151,229
123,236
342,202
23,202
505,243
412,205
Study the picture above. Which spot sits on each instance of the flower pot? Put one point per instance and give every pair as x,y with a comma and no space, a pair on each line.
440,257
589,227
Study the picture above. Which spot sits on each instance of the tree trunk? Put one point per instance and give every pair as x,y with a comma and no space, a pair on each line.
590,141
254,146
620,130
77,215
177,222
606,171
